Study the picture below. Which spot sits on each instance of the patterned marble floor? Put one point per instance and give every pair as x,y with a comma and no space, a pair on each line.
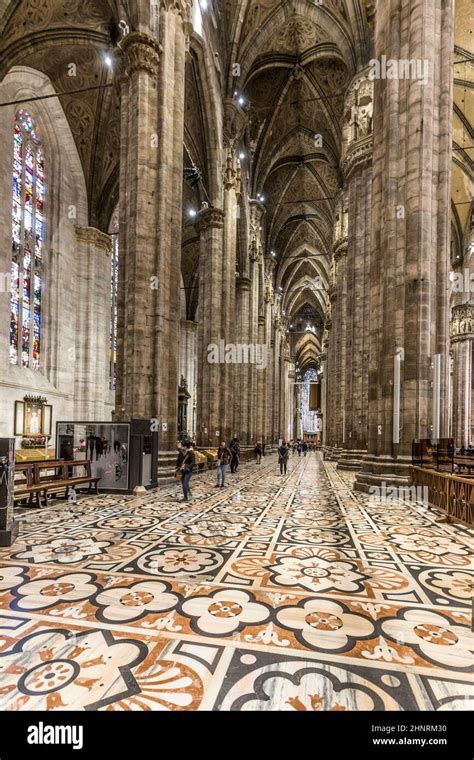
275,593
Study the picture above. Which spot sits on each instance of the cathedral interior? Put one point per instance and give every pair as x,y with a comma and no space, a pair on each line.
244,223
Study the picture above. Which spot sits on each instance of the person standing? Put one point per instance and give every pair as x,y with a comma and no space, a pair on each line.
187,468
258,451
223,458
283,453
263,448
234,450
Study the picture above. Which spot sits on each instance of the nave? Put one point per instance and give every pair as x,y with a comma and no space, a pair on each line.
276,593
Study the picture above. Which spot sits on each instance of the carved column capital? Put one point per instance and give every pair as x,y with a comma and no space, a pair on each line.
182,7
142,53
93,236
209,217
461,326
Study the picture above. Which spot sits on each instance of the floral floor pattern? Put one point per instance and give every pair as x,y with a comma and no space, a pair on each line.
275,593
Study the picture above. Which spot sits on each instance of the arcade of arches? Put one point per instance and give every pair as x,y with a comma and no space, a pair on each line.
205,207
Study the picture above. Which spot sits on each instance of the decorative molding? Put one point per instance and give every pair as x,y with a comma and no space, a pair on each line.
359,155
340,249
182,7
209,217
142,53
93,236
461,325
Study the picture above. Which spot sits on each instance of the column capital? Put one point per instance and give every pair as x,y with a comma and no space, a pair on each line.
340,249
93,236
142,53
358,155
182,7
243,283
209,217
461,326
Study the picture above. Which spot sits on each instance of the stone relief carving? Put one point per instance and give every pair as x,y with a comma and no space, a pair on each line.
462,322
358,112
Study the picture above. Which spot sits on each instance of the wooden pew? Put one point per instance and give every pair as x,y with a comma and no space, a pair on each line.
48,477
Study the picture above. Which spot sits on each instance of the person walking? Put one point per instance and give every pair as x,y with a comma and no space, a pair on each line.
283,453
223,458
187,468
258,451
263,448
305,448
298,447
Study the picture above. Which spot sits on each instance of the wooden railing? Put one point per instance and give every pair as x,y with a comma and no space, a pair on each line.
452,494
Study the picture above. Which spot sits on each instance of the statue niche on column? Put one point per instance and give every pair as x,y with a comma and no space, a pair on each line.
183,396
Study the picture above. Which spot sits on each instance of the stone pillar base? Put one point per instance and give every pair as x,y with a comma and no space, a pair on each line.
9,534
383,469
166,465
351,459
333,453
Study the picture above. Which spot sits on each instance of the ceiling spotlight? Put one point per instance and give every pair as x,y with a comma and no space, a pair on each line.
192,212
241,155
203,4
280,289
108,61
241,101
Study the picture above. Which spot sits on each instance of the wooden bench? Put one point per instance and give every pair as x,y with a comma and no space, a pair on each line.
38,486
463,462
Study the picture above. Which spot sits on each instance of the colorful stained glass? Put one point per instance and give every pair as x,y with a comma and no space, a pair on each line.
27,240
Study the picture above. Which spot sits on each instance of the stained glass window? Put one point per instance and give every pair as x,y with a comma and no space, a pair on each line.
113,311
27,243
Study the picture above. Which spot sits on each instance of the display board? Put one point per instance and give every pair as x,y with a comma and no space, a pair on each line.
105,444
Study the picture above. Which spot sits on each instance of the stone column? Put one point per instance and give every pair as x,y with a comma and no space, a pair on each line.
410,239
92,310
339,376
257,211
269,342
234,124
357,169
242,387
187,366
211,342
174,27
138,211
462,336
151,219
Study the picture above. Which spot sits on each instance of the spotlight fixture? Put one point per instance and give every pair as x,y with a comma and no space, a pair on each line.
192,212
108,61
241,155
241,101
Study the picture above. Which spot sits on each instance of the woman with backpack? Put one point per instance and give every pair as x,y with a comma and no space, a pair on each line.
283,453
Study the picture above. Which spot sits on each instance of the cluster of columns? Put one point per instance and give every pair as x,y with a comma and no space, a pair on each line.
396,341
240,374
350,318
151,176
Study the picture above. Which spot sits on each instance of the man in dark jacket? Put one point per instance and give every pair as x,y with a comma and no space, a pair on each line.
235,451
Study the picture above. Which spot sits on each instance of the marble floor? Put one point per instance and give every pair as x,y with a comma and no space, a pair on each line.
275,593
